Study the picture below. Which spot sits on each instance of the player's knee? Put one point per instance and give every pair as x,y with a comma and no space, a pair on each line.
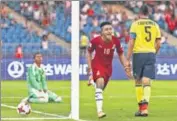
100,83
146,81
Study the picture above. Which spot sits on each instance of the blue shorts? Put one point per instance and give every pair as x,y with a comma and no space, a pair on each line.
144,65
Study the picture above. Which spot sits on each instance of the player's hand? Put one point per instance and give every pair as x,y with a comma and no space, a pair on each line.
40,94
128,70
90,78
89,71
127,64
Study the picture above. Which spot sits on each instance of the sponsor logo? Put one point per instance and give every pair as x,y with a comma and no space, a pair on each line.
166,69
15,69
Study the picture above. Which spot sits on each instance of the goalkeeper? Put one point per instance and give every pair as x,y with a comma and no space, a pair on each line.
37,86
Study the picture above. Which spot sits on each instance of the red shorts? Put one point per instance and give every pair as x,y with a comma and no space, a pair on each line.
102,73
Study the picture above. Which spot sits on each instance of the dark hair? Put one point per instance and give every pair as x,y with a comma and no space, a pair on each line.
104,23
37,53
44,36
144,10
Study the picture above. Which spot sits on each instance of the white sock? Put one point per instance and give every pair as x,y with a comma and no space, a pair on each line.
99,99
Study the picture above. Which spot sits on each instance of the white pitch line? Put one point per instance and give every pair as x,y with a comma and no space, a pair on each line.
32,118
35,111
56,117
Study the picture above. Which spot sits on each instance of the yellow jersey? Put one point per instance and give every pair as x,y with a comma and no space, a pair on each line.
144,32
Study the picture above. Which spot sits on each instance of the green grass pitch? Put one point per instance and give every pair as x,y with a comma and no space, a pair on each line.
119,101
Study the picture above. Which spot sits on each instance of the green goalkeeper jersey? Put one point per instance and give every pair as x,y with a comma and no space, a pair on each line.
36,78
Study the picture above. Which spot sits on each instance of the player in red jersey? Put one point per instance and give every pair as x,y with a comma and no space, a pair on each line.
100,67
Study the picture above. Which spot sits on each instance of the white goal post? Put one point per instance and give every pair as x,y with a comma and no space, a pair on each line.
75,60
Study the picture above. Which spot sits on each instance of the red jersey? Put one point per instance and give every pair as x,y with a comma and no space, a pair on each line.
104,51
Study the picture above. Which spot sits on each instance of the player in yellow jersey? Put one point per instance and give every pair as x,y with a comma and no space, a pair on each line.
144,43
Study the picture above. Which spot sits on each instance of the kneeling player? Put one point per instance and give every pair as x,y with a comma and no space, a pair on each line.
100,67
37,86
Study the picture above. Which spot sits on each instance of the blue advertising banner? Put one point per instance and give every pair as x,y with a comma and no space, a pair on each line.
60,69
166,69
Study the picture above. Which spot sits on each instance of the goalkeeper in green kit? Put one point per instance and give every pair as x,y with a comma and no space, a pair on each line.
37,86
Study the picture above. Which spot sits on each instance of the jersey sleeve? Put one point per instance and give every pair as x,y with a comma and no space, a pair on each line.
119,48
92,45
133,31
32,79
44,81
158,33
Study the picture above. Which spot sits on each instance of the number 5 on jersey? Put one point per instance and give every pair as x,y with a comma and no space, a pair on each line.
148,32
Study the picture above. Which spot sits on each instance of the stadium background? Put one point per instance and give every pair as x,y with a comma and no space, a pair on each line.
45,27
